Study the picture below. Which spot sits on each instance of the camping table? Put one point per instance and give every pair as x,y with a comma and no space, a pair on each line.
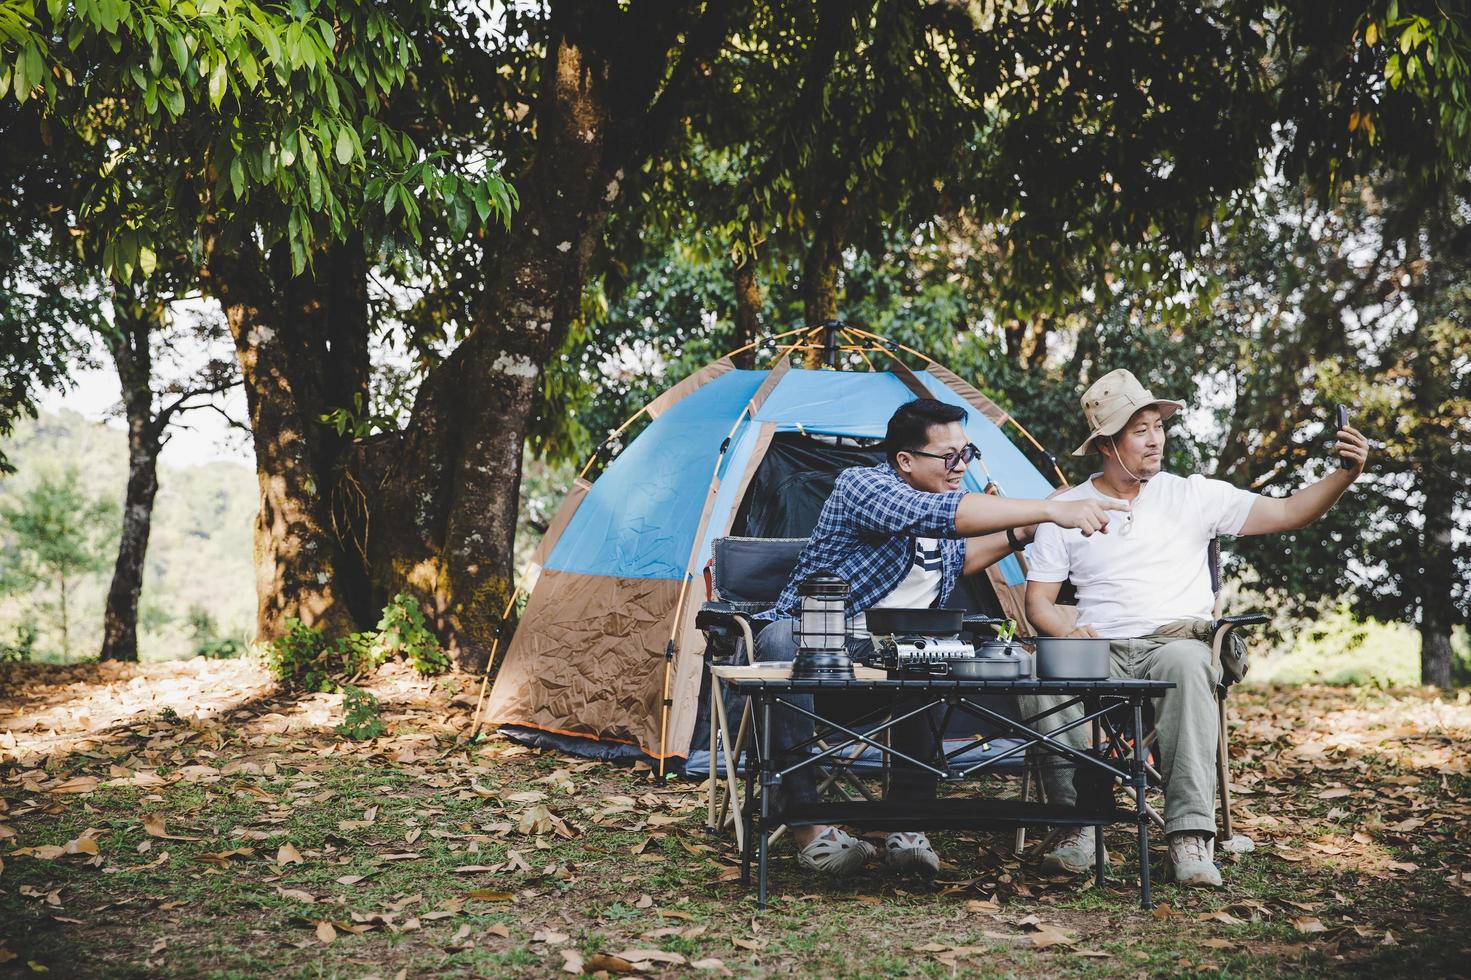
770,687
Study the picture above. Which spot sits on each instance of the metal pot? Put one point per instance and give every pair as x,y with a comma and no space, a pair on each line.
994,660
1079,658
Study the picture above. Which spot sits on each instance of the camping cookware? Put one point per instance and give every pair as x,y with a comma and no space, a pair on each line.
1081,658
914,622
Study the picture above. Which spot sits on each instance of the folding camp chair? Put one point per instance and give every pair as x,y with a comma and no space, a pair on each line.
1120,738
745,576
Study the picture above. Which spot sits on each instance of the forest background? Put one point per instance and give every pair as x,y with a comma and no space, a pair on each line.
433,241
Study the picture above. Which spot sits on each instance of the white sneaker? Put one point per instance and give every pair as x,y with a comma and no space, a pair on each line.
1190,861
910,851
1073,853
835,853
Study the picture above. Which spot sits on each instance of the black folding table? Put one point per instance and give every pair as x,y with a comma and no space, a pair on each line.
770,689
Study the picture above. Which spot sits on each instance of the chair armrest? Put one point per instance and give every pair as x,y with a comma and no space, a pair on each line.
716,615
721,620
1223,629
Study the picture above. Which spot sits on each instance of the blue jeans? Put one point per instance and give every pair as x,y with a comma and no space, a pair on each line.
916,737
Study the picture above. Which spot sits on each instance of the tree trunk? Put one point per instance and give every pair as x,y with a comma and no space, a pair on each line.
445,491
820,268
66,643
748,306
451,483
281,327
135,319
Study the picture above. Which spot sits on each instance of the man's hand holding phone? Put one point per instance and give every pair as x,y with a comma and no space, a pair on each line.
1350,445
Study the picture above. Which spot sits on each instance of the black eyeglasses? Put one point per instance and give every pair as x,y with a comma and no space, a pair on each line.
961,457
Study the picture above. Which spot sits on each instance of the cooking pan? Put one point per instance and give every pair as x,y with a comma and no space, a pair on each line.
915,622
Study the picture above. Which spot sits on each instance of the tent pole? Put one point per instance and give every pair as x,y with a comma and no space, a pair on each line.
672,650
495,645
668,671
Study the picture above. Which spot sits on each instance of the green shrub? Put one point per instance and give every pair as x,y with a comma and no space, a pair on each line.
401,631
303,657
362,714
20,651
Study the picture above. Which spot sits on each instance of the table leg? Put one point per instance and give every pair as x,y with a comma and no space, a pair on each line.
1140,812
710,827
768,786
1100,854
749,814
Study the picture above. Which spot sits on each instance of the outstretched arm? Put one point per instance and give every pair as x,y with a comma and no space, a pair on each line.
1272,514
982,513
988,549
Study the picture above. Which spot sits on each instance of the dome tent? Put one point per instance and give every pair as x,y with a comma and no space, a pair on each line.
606,660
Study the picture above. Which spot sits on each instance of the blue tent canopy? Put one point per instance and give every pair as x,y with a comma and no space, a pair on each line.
641,516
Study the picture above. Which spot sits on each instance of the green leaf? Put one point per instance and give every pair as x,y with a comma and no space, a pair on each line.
237,178
147,261
173,99
217,83
344,146
178,49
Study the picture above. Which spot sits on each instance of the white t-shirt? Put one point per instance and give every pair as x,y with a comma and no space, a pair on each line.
917,590
1133,580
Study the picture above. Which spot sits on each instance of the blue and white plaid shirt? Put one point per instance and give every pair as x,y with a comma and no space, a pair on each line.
865,535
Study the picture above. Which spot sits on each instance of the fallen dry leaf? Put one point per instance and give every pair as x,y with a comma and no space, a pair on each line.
156,825
613,964
326,933
288,854
571,961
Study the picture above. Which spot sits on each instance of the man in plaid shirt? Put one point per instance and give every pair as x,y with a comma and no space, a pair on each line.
901,534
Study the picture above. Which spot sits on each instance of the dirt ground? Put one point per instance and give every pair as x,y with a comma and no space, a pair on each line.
185,819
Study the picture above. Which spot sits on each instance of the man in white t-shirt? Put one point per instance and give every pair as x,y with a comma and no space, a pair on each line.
1147,587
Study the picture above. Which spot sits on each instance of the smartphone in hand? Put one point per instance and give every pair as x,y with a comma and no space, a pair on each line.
1341,417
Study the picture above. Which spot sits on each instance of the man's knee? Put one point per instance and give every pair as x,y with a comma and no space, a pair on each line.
1184,661
776,642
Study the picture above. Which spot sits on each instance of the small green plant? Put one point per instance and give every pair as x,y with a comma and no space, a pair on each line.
302,657
362,715
402,630
24,646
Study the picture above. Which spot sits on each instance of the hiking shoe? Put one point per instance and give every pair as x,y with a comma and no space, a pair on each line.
911,851
1190,861
1073,853
835,853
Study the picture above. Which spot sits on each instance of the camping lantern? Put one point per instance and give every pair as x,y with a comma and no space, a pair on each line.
822,629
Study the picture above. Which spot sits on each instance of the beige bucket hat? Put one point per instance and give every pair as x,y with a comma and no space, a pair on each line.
1112,400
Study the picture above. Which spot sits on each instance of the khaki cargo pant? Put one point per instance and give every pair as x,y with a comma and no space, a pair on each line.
1185,717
